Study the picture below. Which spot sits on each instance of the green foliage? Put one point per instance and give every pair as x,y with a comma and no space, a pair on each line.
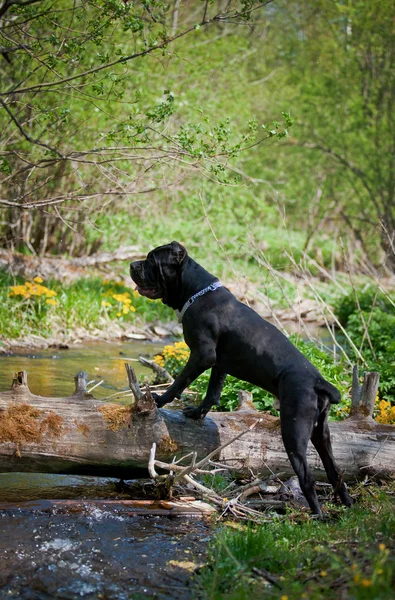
125,130
370,322
308,559
216,482
262,400
333,62
369,299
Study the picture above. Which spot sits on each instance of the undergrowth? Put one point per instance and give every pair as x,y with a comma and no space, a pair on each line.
369,318
28,307
351,556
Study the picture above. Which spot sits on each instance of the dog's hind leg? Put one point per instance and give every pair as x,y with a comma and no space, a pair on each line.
213,395
297,415
322,443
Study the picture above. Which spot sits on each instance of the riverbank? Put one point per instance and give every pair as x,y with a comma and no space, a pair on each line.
55,313
105,331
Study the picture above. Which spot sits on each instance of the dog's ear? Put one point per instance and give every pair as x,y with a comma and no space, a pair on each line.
179,253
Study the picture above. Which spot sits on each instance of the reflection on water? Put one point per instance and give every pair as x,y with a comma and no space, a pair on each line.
17,487
51,372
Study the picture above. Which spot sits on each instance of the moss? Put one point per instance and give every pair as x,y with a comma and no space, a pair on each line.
82,428
52,424
22,424
167,445
116,416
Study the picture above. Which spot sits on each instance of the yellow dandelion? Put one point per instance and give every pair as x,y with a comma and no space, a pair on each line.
18,290
159,360
118,314
383,404
51,301
323,573
38,280
382,547
104,303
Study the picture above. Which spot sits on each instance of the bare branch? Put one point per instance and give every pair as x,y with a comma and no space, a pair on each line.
6,5
342,159
26,135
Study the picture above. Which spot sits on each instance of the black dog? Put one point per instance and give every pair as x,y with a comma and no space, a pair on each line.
229,337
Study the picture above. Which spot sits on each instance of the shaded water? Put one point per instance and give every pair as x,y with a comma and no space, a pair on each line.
18,487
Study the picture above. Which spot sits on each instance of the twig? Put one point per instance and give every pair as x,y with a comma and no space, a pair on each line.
205,490
173,466
151,463
207,459
94,387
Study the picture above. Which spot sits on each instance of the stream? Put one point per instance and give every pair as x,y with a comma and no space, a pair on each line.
51,371
99,552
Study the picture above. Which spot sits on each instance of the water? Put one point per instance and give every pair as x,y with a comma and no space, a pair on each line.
20,487
98,552
51,372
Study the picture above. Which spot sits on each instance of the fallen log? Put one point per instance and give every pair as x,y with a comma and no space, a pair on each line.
82,435
51,267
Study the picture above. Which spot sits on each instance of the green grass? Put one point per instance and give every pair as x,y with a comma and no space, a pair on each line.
247,230
350,556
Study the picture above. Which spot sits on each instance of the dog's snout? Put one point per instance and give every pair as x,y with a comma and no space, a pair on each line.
136,266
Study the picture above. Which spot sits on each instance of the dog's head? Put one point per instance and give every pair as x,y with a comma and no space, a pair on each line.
159,275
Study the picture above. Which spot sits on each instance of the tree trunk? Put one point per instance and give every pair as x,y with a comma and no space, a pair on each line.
80,434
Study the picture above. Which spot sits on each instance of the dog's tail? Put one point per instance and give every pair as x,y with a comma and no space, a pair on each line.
324,388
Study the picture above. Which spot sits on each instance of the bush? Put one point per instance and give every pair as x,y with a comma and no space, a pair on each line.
371,326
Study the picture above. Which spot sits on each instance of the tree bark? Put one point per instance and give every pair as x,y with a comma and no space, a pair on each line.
80,434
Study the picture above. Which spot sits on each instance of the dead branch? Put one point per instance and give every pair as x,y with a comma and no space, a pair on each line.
161,372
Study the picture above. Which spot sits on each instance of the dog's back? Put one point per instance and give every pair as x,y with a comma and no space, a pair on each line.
254,350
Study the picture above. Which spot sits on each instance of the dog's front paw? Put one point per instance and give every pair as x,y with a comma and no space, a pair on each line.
159,400
194,412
